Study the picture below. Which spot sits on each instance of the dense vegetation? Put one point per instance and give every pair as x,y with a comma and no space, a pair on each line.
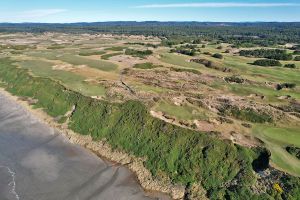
217,55
194,71
187,49
290,66
285,85
275,54
234,79
239,34
246,114
267,62
183,155
146,66
295,151
143,44
210,64
297,58
138,53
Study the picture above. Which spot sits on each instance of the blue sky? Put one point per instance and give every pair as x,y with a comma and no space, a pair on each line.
142,10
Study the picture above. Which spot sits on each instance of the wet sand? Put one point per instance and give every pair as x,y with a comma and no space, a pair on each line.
37,162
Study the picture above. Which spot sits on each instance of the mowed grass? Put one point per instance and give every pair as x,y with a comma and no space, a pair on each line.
182,61
70,80
97,64
271,95
257,73
276,139
108,56
184,112
90,52
116,48
178,60
75,60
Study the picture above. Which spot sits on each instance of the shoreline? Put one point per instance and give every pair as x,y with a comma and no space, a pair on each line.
103,150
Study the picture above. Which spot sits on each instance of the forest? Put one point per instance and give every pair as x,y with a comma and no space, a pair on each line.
239,34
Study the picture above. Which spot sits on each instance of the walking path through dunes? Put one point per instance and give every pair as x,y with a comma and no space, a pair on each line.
172,154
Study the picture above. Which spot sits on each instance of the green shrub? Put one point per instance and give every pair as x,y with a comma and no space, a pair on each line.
285,85
275,54
234,79
295,151
146,66
297,58
267,62
138,53
290,66
217,55
246,114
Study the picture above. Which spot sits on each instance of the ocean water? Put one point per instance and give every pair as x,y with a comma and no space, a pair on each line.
38,163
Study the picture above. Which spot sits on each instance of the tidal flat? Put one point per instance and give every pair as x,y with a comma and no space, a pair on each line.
37,162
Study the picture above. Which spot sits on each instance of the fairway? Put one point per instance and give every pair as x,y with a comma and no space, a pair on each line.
97,64
276,140
69,79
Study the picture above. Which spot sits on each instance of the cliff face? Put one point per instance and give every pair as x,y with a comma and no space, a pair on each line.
103,149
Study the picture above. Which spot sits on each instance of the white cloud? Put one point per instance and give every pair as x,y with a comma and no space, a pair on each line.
41,13
216,5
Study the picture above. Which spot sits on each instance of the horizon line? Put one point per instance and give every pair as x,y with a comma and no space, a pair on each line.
163,21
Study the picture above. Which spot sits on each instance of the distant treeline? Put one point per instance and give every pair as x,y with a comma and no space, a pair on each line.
276,54
239,34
